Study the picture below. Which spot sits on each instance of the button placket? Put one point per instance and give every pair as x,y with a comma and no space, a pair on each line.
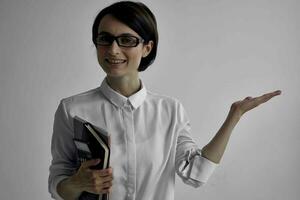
131,150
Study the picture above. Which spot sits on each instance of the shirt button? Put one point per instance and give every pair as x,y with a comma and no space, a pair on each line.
129,196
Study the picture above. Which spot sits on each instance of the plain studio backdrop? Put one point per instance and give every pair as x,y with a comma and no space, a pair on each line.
210,54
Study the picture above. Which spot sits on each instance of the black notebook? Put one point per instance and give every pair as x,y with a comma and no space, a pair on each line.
91,142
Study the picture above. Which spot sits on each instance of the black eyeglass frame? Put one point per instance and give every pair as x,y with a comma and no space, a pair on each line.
116,38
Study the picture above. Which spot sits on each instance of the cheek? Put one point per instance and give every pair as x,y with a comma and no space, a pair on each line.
100,52
100,56
134,55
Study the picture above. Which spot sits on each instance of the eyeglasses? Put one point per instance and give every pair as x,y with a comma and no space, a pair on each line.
122,41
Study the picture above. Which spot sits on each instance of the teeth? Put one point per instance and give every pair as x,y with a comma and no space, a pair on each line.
113,61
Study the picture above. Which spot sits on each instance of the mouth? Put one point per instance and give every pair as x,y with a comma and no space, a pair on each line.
115,61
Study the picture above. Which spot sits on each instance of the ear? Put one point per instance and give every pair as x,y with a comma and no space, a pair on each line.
147,48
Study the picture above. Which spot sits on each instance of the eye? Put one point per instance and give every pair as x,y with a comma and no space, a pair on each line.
103,39
127,40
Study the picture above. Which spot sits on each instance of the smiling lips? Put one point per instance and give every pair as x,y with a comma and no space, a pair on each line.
115,61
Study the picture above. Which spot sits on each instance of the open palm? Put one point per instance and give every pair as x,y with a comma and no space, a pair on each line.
249,103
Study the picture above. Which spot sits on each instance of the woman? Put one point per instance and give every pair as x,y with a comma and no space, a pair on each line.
150,133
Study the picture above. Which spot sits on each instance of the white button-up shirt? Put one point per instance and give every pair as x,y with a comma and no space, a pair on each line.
150,141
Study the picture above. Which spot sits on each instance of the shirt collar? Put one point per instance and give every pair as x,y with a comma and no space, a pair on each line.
119,100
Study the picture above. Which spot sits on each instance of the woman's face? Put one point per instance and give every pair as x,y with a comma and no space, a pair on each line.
120,61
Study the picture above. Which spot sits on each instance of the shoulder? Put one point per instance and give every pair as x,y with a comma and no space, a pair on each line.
163,100
85,97
168,106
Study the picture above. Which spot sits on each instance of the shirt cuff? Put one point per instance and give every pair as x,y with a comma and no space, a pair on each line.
195,169
202,169
53,189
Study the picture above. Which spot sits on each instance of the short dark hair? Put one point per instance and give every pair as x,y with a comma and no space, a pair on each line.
139,18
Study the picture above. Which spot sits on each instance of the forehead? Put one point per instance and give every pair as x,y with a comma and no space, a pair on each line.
113,26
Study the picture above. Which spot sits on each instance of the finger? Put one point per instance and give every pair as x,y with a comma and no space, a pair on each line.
107,188
100,187
277,92
105,172
90,163
101,179
98,181
274,93
265,97
107,184
107,179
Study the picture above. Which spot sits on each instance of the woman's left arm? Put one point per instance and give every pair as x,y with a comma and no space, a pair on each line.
214,150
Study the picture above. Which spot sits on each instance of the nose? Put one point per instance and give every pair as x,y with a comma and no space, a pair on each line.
114,48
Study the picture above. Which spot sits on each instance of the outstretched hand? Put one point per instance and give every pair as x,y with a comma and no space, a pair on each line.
243,106
214,150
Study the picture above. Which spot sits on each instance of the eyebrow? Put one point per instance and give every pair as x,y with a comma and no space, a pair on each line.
123,34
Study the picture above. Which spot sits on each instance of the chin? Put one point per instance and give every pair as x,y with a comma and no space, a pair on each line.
113,71
115,74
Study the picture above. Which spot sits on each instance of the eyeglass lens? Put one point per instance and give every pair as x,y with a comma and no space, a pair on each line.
125,41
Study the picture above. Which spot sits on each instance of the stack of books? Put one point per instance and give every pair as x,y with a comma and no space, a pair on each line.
92,143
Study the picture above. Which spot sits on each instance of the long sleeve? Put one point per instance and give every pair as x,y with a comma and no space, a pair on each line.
193,168
63,150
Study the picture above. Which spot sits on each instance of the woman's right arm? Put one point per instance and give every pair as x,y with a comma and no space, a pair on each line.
64,159
66,179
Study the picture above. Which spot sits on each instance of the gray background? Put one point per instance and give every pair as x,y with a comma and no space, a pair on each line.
211,53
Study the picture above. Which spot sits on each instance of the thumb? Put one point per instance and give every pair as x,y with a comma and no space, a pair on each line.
92,162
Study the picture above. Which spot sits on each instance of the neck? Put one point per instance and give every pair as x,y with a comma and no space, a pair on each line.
124,86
